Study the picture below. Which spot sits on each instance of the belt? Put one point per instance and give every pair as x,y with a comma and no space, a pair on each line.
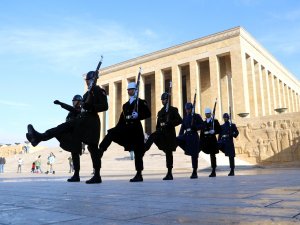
188,129
128,117
162,124
225,136
206,132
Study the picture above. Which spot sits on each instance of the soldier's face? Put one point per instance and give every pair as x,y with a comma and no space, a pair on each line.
188,111
164,101
207,115
225,119
130,91
76,103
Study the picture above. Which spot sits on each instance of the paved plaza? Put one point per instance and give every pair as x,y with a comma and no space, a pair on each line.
256,195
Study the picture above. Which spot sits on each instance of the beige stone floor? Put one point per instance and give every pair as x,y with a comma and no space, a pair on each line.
256,195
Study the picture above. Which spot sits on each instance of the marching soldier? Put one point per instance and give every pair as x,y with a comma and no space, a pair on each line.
84,128
74,111
208,140
226,145
165,135
129,131
188,138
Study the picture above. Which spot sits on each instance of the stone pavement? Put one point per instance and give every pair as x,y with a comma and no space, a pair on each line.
254,196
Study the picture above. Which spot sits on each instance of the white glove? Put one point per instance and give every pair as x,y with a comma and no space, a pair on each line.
134,115
212,131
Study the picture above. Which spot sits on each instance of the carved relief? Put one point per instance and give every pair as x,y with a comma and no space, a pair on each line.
271,140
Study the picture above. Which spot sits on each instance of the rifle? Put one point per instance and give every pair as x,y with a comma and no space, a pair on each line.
168,103
193,109
136,106
169,97
214,111
94,81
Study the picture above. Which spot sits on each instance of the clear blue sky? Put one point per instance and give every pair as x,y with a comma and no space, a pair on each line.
46,46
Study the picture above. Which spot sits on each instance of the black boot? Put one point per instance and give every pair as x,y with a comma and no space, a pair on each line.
231,172
74,178
213,173
94,180
137,178
194,174
33,136
169,176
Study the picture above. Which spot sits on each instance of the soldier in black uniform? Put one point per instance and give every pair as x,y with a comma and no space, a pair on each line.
165,135
225,141
188,138
74,111
84,128
129,131
208,140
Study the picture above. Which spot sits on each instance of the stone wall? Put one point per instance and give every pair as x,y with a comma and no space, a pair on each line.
269,139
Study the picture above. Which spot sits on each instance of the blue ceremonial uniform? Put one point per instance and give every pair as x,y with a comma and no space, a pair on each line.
225,140
188,138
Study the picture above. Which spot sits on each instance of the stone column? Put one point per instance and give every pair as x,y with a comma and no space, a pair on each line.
268,98
292,100
194,84
252,85
124,90
283,94
239,82
177,90
215,84
273,93
288,98
261,91
278,93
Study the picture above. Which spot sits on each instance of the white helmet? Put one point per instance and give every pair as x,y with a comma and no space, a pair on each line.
131,85
207,110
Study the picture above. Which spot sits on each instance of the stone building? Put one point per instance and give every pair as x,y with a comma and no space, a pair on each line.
230,66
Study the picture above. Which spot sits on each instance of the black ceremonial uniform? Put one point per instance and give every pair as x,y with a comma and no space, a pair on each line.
165,135
208,142
129,132
84,128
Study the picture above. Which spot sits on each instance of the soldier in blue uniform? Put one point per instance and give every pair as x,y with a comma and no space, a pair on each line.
129,131
165,135
225,141
208,140
188,138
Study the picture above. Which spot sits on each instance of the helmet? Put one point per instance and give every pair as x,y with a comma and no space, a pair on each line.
91,75
164,96
77,98
226,115
188,105
207,110
131,85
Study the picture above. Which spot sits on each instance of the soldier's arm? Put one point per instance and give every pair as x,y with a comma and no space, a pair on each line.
144,111
68,107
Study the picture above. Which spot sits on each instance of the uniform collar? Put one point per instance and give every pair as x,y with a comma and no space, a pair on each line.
131,99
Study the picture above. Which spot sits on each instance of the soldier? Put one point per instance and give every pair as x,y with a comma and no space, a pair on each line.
74,111
165,135
85,128
208,140
129,131
226,145
188,138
